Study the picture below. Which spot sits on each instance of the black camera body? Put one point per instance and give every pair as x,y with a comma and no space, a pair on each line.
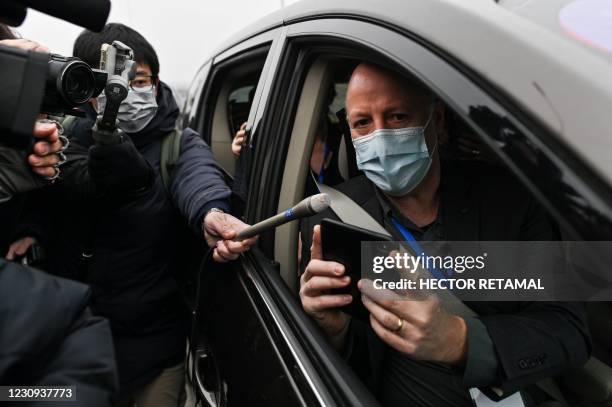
70,84
35,83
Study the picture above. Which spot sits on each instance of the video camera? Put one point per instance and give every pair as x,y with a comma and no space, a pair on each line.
33,82
116,60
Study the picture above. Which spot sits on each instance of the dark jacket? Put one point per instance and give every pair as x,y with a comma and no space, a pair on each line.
50,338
484,204
137,246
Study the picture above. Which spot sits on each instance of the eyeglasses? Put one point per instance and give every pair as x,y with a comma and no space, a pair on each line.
143,83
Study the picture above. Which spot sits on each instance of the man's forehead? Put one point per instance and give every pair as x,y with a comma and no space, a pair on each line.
369,83
143,69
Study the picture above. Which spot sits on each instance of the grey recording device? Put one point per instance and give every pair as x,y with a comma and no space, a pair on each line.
308,207
117,60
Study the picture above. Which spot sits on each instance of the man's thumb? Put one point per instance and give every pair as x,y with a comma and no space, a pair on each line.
315,250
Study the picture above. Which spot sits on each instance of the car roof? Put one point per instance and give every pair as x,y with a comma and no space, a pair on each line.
558,81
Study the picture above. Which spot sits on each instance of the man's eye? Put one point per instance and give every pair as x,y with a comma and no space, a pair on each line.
399,117
361,123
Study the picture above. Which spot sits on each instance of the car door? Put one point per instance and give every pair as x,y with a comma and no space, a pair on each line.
557,176
254,340
243,349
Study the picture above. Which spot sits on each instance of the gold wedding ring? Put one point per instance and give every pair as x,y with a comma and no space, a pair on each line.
400,324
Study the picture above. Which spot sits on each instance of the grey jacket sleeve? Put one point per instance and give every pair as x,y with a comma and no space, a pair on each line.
197,181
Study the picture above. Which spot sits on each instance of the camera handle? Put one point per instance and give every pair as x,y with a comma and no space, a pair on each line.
105,131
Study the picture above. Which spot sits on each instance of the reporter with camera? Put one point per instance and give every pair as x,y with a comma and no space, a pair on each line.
137,246
49,336
22,172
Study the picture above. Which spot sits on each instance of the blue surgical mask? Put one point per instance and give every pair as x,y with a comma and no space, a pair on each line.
395,160
136,111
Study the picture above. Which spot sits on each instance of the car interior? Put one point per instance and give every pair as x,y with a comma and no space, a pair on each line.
234,98
322,98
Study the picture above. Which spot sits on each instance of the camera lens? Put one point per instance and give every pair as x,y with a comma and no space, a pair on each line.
77,83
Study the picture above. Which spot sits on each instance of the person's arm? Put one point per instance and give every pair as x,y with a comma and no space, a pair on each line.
20,174
197,182
554,335
200,193
50,338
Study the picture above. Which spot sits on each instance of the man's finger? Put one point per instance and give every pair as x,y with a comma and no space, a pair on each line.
250,242
46,131
325,302
218,258
43,148
46,161
319,284
21,247
387,319
10,255
387,299
323,268
45,172
223,250
316,252
391,338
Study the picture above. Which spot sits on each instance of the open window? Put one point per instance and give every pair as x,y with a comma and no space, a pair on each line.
482,129
228,102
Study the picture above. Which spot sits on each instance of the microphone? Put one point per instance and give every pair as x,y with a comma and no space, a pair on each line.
90,14
308,207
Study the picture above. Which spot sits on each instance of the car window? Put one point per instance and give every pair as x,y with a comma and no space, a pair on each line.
332,155
239,103
228,102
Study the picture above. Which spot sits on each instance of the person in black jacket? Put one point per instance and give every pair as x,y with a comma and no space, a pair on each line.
418,352
133,243
50,338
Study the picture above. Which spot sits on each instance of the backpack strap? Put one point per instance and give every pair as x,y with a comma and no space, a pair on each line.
68,121
169,155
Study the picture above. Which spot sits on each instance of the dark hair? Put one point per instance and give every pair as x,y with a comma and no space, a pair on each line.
6,33
87,45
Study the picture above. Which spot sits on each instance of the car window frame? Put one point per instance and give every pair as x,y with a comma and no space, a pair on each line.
588,218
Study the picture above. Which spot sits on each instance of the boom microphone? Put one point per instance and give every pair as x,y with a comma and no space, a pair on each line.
308,207
90,14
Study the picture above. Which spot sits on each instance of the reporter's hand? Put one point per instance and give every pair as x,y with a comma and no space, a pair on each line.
119,167
219,230
25,45
19,248
239,140
45,153
315,284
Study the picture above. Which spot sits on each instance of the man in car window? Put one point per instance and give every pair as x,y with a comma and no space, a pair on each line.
417,352
135,245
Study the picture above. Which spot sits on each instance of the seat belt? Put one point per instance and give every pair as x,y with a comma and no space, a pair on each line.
351,213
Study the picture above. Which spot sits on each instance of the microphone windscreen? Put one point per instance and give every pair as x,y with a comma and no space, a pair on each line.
319,202
90,14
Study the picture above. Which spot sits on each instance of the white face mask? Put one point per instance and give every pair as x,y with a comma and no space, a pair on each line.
136,111
395,160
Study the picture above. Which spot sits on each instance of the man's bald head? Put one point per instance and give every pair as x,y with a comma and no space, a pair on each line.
375,94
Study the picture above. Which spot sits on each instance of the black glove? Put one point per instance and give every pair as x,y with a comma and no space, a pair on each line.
119,168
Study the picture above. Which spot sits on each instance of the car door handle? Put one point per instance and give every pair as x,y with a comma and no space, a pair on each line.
204,363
